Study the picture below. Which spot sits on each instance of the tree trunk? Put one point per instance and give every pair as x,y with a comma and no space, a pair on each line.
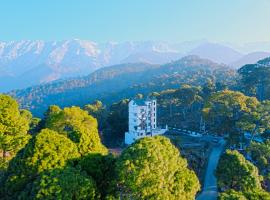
4,154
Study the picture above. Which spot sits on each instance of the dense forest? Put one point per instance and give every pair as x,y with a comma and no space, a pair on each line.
188,105
63,158
64,154
111,84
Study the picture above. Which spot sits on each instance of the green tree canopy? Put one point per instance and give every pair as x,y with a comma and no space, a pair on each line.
102,169
47,150
118,119
235,172
13,127
226,109
232,195
255,79
180,107
98,111
208,88
93,108
77,125
257,120
260,154
152,168
187,95
33,122
62,184
254,195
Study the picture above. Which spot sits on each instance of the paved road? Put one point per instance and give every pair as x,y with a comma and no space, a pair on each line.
210,183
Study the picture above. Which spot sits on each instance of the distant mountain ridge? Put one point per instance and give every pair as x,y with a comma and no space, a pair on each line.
27,63
250,58
104,83
216,52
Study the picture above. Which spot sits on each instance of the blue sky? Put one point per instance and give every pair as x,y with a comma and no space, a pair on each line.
122,20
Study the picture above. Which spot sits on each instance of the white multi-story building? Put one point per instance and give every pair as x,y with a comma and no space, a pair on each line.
142,120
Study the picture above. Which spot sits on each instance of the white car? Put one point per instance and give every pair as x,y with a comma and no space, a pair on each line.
194,134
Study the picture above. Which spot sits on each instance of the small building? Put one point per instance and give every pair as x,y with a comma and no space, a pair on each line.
142,120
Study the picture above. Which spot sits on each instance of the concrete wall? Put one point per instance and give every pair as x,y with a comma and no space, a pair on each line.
142,121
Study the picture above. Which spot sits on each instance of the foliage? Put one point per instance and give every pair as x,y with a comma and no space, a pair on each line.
34,122
257,195
180,107
69,161
65,184
230,112
48,150
260,154
254,195
209,88
77,125
3,167
232,195
98,111
118,119
102,169
13,127
151,168
188,95
255,79
257,121
235,172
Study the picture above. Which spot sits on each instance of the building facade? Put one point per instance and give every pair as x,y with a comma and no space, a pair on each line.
142,120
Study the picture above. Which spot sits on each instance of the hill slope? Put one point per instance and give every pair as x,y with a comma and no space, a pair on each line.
250,59
216,52
27,63
105,83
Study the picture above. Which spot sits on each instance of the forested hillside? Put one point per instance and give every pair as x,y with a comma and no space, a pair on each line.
112,83
64,158
190,92
255,79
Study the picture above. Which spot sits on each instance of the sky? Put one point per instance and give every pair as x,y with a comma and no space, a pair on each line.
237,21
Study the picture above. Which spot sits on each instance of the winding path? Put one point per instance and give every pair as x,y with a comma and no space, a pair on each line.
210,183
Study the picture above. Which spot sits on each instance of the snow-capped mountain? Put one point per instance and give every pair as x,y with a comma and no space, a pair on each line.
27,63
31,62
18,58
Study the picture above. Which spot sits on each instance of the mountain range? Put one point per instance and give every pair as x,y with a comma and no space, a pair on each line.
110,84
28,63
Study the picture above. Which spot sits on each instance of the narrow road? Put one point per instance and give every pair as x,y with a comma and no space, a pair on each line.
210,183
